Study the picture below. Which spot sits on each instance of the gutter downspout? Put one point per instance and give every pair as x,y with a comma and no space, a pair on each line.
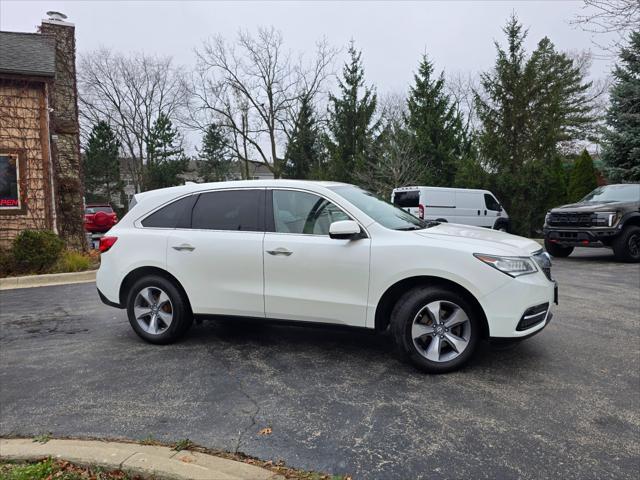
54,213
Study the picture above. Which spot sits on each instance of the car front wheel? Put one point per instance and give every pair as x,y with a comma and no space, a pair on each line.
626,246
435,328
157,310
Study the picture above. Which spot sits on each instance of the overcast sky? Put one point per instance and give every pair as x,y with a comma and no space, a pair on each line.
457,35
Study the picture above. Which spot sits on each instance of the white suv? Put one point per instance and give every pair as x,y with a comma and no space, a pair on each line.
326,253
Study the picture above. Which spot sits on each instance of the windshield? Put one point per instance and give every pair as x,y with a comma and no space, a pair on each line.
614,193
384,213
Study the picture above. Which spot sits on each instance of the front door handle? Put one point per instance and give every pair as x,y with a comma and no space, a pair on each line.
184,246
280,251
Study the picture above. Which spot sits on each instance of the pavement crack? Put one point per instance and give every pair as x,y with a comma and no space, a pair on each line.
253,415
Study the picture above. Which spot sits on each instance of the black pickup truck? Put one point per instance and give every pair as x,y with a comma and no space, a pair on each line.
607,217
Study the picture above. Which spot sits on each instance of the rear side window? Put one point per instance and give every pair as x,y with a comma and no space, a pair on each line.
407,199
238,210
175,215
492,203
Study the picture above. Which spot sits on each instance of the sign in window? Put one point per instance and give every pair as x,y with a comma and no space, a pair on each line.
9,182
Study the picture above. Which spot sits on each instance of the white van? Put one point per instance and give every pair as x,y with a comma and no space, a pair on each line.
453,205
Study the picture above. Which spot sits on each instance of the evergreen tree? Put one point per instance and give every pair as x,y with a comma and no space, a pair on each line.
621,151
303,150
583,177
527,108
165,156
101,164
352,129
214,160
436,126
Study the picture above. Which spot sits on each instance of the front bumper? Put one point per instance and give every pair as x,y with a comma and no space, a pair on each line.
580,237
506,307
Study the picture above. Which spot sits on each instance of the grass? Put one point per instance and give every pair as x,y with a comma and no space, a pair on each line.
59,470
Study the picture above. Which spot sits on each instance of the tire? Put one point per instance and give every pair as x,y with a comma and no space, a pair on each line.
556,250
626,246
158,294
501,227
417,307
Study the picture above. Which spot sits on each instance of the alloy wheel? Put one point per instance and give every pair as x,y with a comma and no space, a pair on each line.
441,331
153,310
634,245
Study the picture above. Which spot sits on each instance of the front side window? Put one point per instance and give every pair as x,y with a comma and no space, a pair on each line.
9,182
384,213
492,203
237,210
304,213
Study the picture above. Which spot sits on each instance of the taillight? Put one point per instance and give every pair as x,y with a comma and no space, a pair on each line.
106,243
421,211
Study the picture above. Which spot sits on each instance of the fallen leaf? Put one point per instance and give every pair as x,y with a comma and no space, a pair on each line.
265,431
185,459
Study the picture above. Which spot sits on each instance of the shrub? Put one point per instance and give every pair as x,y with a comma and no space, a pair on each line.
73,262
7,263
36,251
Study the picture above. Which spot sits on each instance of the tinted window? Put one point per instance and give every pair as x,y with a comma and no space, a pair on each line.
300,212
492,203
406,199
229,210
174,215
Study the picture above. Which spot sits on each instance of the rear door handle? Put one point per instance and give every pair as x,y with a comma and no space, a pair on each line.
184,246
280,251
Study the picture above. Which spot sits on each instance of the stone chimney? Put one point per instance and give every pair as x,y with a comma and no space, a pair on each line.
65,132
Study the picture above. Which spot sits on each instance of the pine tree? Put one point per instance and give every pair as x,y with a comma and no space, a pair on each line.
621,151
528,107
352,128
436,126
583,177
214,159
303,150
101,164
165,155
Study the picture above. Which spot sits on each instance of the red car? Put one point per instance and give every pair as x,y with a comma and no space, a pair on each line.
99,218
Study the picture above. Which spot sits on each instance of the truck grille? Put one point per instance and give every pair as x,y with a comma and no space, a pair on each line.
570,220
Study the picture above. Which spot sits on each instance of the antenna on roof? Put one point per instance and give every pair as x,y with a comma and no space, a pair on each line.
56,16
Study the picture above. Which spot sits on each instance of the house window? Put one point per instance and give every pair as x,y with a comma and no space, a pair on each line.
10,182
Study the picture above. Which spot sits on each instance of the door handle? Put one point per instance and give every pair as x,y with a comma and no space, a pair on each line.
485,212
184,246
280,251
478,212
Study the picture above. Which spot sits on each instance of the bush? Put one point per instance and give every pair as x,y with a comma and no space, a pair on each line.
73,262
7,264
36,251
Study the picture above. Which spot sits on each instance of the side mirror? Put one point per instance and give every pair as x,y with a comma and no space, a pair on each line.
344,230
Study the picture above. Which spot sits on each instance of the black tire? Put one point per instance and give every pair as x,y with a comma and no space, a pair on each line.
182,318
501,226
409,306
626,246
556,250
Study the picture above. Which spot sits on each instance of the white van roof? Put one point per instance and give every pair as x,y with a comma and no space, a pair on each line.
442,189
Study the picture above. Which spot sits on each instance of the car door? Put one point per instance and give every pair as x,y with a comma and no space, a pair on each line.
308,275
218,257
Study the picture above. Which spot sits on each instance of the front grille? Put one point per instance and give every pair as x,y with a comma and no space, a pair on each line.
544,262
570,219
533,316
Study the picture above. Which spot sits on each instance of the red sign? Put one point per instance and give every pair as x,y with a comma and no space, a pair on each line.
8,202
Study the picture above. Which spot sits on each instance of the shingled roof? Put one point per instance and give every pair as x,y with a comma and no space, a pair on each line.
29,54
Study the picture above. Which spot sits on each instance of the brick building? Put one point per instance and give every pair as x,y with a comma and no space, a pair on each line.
40,168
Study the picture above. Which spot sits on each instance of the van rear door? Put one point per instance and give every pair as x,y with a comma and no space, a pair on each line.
408,200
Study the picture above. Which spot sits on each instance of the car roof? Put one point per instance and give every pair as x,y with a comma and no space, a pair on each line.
442,189
89,205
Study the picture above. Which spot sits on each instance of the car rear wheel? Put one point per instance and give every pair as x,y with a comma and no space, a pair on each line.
556,250
436,329
157,311
626,246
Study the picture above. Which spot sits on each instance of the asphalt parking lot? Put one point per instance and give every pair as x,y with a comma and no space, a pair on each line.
564,404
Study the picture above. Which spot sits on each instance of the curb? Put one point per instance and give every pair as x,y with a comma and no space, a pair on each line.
144,460
31,281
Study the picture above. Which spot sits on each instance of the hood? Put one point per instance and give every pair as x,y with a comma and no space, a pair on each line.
595,207
487,240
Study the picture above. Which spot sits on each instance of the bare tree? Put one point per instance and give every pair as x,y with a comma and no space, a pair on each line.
130,93
461,86
253,87
616,17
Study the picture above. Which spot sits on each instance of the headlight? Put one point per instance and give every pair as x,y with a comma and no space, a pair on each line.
546,218
512,266
604,219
